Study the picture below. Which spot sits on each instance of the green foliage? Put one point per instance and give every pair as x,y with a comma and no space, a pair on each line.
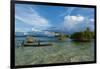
85,35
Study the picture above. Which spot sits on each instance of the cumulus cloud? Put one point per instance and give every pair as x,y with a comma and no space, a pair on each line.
74,18
77,23
71,21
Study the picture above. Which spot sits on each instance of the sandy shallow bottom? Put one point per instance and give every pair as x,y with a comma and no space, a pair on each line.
59,52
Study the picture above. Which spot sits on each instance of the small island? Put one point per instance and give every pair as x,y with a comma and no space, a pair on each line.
86,35
61,36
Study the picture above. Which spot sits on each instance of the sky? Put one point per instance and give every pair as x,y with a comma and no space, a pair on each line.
53,18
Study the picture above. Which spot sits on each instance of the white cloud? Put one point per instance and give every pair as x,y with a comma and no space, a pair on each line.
21,30
76,23
74,18
29,16
68,11
36,30
72,21
92,20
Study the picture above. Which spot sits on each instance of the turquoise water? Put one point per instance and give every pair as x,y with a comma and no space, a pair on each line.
59,52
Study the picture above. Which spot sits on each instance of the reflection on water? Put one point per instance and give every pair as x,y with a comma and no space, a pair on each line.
59,52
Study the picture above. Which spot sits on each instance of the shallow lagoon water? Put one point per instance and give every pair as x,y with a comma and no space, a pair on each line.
60,52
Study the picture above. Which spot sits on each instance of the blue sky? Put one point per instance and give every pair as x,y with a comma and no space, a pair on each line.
52,18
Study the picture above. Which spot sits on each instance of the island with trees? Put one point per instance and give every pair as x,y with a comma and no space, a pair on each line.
86,35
